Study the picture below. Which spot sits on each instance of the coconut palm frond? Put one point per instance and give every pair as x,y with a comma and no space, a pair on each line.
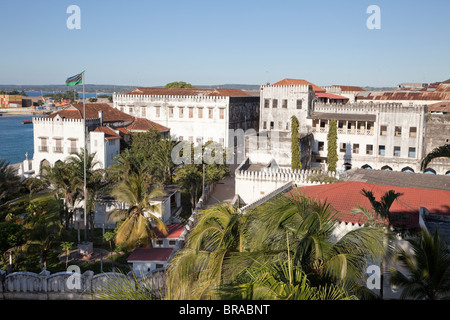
438,152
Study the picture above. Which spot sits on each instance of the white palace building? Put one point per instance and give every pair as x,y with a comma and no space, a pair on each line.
194,115
374,135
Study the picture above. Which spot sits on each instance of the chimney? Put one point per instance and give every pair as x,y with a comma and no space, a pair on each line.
100,116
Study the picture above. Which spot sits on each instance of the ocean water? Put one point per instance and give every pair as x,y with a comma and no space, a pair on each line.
16,138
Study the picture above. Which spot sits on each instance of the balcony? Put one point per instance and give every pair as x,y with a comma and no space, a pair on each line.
43,149
72,150
58,149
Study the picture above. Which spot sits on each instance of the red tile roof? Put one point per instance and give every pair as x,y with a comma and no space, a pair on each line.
443,106
141,124
344,196
150,254
298,82
434,92
330,96
349,88
109,133
174,231
189,92
75,111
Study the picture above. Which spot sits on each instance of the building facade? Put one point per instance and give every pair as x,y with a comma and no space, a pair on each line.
10,101
194,115
381,135
62,134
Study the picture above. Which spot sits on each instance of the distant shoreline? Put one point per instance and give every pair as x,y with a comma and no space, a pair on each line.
14,112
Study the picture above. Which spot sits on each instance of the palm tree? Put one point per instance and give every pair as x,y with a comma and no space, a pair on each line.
282,281
8,179
206,261
62,178
311,226
43,229
439,152
66,246
95,181
190,178
163,160
379,215
137,229
427,268
224,245
381,208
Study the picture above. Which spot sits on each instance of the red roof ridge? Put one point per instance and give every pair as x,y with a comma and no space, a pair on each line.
287,82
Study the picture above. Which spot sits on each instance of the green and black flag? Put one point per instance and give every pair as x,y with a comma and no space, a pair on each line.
73,81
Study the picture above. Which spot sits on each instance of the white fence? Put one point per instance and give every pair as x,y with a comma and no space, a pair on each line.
60,286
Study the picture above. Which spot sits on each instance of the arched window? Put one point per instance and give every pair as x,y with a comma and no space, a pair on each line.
366,166
447,173
408,169
43,163
386,168
429,171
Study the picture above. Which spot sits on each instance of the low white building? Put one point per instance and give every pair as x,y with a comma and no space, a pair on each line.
147,260
62,134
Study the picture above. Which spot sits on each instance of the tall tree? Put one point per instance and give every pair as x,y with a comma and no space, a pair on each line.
9,181
197,271
439,152
137,229
378,217
332,156
295,144
61,177
178,84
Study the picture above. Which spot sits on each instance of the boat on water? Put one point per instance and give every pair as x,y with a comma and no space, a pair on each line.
26,121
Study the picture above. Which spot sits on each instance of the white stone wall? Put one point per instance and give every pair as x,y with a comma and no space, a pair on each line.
105,150
189,128
391,116
46,286
68,130
253,185
65,129
281,117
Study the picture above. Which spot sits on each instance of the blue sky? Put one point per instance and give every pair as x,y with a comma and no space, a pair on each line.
150,43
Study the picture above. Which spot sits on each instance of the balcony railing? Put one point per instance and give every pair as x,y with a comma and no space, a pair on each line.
43,149
72,150
58,149
367,132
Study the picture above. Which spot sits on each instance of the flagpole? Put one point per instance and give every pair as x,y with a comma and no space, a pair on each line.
85,151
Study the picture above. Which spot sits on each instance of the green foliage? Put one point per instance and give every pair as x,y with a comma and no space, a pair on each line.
178,84
11,235
283,249
332,156
426,268
439,152
136,229
68,95
295,144
9,181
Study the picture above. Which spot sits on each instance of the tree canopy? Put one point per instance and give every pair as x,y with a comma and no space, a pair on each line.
178,84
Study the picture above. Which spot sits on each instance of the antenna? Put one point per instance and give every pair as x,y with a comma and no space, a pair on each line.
267,78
